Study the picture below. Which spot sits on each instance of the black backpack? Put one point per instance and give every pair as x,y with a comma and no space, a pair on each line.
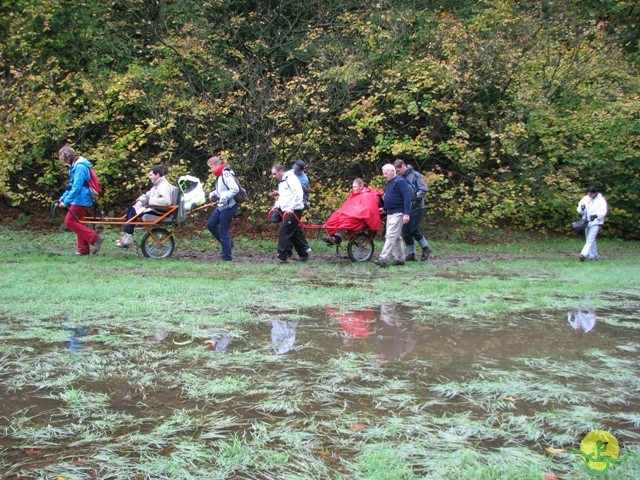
242,196
413,192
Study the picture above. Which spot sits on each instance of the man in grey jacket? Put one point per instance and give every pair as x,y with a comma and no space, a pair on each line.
411,230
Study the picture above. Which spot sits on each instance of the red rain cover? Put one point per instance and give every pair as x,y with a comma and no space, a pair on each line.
359,211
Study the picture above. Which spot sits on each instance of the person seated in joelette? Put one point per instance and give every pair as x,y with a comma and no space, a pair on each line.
159,195
360,211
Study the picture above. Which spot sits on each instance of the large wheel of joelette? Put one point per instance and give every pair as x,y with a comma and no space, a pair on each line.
158,243
361,248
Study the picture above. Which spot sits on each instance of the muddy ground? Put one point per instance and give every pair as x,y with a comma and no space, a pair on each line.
40,219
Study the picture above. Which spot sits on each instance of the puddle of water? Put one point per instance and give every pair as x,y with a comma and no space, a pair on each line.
283,335
390,332
582,319
323,371
77,341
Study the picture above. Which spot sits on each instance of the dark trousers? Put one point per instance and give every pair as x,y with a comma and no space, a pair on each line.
130,214
146,218
219,225
411,229
290,233
306,245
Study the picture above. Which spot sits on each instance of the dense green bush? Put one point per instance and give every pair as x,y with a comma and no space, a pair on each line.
510,108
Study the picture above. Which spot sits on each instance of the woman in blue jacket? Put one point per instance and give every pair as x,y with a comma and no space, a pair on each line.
77,198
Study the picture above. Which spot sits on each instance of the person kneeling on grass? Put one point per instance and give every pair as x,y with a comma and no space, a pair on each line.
159,195
361,210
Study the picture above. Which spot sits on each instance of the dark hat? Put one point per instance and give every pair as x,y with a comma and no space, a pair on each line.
299,165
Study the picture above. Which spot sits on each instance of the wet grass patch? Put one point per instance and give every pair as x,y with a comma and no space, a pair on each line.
390,402
122,368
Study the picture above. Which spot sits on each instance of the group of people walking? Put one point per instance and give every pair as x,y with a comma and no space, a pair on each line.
403,215
402,201
362,210
404,211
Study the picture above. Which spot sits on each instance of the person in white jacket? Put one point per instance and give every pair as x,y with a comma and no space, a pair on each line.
227,188
290,201
159,195
593,207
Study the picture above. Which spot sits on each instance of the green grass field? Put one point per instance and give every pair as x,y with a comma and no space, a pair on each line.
109,366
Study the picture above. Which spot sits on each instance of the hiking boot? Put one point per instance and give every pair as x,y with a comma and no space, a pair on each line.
410,258
80,253
125,241
303,258
281,260
331,239
426,253
581,257
381,263
398,263
97,245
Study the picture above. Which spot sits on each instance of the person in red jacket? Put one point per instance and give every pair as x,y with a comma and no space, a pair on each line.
360,211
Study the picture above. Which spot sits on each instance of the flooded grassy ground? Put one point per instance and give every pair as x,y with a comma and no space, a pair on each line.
473,366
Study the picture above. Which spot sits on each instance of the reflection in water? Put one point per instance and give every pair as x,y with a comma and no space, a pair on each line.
283,335
220,341
582,319
394,336
355,324
493,387
76,342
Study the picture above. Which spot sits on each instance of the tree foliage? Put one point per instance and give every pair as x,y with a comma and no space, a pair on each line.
510,108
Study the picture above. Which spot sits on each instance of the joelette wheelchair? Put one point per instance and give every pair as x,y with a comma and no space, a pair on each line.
158,240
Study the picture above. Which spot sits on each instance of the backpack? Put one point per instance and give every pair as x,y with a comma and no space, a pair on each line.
95,187
191,191
242,196
413,191
305,197
181,213
413,186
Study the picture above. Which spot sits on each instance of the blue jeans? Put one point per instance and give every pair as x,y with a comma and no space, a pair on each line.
590,249
219,225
